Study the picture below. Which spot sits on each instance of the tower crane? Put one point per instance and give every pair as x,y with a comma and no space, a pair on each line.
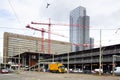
42,34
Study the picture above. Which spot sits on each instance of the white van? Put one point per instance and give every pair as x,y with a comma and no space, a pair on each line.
116,71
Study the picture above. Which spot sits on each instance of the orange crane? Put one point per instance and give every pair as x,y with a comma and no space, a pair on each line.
42,34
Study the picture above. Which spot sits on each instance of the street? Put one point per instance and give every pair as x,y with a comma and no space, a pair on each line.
28,75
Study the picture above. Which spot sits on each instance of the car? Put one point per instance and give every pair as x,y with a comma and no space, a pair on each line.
70,70
116,71
3,71
77,71
97,71
26,68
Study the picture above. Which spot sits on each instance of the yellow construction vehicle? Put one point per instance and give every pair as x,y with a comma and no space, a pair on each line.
57,67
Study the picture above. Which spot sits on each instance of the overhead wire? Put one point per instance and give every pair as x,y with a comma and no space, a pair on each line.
59,30
14,12
56,29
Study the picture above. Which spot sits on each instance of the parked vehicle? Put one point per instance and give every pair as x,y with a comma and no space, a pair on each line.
77,71
116,71
57,67
3,71
26,68
14,67
4,67
97,71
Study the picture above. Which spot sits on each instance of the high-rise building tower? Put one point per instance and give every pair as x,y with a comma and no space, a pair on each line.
79,29
91,43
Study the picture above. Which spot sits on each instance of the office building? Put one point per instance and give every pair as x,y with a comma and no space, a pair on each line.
79,29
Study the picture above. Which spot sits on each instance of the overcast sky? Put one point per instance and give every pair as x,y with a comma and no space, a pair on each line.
104,14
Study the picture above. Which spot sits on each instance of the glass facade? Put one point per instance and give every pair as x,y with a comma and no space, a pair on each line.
79,29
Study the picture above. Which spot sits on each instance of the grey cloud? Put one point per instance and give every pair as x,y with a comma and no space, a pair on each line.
107,21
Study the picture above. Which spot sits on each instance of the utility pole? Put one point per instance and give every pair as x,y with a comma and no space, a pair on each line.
53,58
19,62
68,64
100,65
113,65
49,37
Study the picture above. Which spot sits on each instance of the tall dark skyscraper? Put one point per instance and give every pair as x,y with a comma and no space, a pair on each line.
79,29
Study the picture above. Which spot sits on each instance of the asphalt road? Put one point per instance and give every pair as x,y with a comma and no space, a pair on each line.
28,75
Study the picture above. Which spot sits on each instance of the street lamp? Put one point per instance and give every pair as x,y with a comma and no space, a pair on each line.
113,65
91,59
68,59
68,63
100,55
19,60
53,55
39,62
53,58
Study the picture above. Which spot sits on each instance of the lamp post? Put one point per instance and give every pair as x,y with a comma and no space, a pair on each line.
39,62
53,55
113,65
19,61
53,58
68,63
91,60
68,58
100,55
